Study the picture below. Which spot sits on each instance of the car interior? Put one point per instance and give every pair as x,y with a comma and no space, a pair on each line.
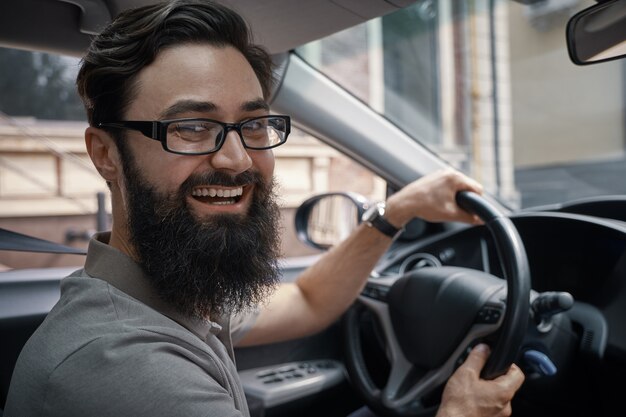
545,285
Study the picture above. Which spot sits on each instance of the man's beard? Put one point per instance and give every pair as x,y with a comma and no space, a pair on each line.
221,264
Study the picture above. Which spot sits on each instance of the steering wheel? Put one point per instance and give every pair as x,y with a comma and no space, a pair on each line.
431,317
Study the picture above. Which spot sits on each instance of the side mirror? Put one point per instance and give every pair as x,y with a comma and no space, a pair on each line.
598,33
325,220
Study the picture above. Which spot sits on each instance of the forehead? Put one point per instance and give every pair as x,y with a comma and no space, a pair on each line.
195,72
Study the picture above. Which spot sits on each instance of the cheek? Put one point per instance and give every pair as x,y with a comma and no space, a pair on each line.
263,161
163,170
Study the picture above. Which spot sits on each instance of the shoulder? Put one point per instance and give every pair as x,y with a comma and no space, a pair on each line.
143,373
101,352
139,373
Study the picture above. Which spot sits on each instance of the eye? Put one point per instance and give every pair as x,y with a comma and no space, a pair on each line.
193,131
257,124
190,128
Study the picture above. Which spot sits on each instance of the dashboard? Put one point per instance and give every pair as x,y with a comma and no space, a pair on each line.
580,254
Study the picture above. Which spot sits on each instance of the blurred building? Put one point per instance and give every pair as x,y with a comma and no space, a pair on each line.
49,188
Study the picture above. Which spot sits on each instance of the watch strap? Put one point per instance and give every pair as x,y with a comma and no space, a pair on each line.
374,217
380,223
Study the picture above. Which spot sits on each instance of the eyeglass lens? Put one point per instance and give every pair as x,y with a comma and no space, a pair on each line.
195,136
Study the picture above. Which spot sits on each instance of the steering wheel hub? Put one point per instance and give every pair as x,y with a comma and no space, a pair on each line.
442,303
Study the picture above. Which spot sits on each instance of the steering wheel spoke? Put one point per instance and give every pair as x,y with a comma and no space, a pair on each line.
401,368
391,395
393,350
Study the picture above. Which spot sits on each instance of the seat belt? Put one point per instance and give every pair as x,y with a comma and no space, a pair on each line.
23,243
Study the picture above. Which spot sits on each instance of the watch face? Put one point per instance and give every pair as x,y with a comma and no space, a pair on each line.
373,212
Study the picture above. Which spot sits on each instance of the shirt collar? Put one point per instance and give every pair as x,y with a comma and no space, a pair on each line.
109,264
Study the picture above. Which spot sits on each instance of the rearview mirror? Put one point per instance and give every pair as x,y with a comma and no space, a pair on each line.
598,33
325,220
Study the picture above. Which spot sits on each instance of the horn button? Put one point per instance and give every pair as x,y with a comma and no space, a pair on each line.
432,310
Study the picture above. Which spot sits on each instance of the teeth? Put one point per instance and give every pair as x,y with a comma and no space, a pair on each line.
217,192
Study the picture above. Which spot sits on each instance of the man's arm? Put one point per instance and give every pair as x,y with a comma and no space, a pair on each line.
326,289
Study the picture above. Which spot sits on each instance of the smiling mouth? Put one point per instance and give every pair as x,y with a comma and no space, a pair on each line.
217,196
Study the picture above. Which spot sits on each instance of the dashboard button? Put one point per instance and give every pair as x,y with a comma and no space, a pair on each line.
489,315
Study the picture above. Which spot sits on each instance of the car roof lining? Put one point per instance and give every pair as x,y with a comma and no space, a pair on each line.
65,26
21,28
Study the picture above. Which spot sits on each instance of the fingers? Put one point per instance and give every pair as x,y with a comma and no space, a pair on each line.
462,182
477,358
507,410
513,379
472,185
433,198
468,395
461,215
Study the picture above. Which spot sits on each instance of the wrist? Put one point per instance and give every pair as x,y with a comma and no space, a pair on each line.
395,214
375,217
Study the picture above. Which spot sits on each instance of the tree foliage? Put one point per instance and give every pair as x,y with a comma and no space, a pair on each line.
38,85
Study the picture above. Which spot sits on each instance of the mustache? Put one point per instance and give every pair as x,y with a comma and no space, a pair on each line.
223,179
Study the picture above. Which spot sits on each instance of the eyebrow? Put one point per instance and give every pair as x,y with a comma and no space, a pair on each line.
258,104
185,106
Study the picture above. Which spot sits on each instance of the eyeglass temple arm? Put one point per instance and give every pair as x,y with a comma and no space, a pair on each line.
149,129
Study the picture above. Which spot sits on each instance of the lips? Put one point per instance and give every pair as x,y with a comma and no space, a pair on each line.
219,192
218,195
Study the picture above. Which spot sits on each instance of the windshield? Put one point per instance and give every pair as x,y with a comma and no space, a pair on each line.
489,87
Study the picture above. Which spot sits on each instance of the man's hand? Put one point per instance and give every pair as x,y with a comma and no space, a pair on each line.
432,198
467,395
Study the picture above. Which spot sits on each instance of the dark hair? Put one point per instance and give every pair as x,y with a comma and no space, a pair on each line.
106,79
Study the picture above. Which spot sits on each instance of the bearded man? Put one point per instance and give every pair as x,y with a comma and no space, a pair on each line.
176,97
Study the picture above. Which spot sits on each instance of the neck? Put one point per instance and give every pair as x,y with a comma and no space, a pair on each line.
120,235
119,240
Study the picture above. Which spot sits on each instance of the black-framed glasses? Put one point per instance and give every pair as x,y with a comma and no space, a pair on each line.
204,136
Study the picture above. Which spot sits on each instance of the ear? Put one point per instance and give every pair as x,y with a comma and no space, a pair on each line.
103,153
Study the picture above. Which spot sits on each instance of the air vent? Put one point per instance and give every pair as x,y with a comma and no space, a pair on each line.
419,261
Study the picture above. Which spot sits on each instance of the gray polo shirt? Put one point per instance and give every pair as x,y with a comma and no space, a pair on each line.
111,347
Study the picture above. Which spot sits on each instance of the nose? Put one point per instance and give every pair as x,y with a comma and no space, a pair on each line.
232,156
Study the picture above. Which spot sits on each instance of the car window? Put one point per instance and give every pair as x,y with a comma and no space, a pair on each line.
50,189
504,105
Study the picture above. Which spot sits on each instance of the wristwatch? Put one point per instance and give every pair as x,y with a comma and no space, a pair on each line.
374,217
